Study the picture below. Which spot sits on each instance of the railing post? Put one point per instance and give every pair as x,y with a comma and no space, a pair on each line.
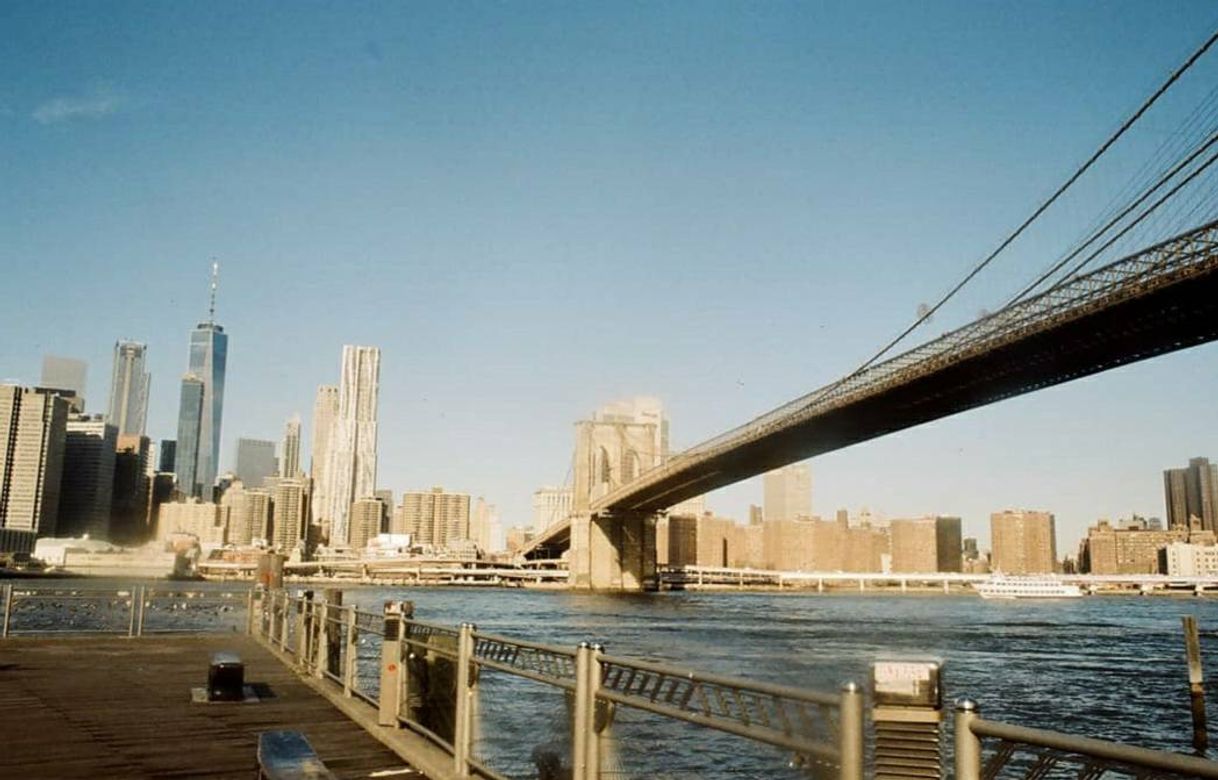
580,722
592,754
391,667
464,722
850,732
283,620
249,612
351,658
8,610
135,589
968,744
139,614
321,655
304,622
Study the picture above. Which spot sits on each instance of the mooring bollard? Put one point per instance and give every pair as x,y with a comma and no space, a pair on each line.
1196,684
968,744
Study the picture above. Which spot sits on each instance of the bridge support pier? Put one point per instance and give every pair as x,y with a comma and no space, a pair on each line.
613,552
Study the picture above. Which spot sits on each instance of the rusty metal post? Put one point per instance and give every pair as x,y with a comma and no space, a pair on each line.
463,727
850,734
1196,684
390,697
968,744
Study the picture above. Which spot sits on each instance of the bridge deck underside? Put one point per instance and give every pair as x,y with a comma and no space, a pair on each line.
1168,319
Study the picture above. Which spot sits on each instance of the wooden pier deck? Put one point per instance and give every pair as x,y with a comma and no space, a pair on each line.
109,707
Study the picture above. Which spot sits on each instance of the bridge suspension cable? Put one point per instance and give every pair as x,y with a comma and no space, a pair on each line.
1043,207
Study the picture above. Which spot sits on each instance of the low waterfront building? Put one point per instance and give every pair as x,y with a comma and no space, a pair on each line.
205,521
1182,559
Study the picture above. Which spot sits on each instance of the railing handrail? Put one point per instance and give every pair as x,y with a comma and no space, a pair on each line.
1131,755
743,683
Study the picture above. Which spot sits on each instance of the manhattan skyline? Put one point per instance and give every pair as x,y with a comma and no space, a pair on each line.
480,215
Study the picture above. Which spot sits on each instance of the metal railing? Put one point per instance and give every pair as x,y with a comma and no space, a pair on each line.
431,678
135,610
1035,754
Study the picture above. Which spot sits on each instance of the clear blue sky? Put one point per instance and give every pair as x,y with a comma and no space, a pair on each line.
537,208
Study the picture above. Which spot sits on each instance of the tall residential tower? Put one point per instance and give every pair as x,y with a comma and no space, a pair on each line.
351,460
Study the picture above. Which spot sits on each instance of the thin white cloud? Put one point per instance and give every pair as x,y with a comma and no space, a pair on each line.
98,103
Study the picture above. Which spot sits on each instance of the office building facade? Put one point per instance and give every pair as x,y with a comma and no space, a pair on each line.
1192,492
289,461
129,387
33,428
1023,542
87,489
186,451
255,461
787,493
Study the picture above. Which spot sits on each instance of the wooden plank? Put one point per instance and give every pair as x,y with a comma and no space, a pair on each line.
117,707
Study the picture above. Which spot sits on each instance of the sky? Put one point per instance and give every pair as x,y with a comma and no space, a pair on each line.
534,209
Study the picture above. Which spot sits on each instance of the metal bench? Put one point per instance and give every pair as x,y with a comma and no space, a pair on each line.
287,755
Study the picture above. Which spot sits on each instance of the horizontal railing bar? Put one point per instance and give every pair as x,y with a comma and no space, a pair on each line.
485,770
751,686
821,750
1110,751
553,649
433,736
357,693
440,651
431,626
556,682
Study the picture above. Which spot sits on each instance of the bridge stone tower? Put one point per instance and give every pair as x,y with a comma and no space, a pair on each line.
613,550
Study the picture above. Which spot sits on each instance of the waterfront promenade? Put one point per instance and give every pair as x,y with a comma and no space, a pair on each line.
93,707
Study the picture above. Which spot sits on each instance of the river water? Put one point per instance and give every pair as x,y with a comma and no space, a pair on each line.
1109,667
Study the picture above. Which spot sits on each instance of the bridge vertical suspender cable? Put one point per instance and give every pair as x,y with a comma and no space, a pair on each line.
1112,139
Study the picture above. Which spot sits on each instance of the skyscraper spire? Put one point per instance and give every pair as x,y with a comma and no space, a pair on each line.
215,282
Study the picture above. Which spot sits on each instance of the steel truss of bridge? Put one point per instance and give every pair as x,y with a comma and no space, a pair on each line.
1155,301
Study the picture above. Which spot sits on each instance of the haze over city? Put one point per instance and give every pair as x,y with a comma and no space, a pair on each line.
540,210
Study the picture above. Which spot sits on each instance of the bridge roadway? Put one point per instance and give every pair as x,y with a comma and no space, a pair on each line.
1159,300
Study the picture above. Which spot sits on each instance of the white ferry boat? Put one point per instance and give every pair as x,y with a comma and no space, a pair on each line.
1005,587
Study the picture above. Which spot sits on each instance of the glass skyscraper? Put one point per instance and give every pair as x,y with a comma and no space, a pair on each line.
186,453
208,357
129,389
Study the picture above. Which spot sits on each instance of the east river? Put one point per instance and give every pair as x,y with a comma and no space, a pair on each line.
1109,667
